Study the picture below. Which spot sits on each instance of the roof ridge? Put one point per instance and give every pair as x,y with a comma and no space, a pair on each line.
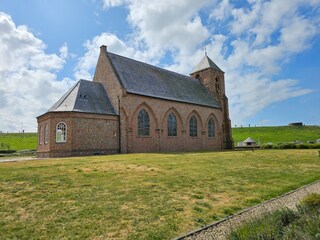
153,66
153,81
94,94
64,97
206,63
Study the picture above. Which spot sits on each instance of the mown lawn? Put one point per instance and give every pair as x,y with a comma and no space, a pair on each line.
18,141
277,134
142,196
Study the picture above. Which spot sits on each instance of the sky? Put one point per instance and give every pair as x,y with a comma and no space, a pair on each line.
269,51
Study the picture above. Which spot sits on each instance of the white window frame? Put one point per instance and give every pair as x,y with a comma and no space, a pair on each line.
61,134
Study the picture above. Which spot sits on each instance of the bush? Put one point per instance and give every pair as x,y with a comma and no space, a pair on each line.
288,146
291,146
285,217
266,146
315,146
7,151
303,146
312,201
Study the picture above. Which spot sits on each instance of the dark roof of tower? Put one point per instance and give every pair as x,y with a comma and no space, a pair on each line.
85,96
144,79
205,63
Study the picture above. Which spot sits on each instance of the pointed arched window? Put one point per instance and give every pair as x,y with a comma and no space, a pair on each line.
172,125
211,129
143,123
193,130
61,132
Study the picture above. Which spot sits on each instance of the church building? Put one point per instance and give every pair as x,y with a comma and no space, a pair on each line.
131,106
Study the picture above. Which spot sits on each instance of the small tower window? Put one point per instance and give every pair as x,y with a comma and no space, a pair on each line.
217,85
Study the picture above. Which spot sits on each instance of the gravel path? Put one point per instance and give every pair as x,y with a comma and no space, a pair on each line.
220,230
18,159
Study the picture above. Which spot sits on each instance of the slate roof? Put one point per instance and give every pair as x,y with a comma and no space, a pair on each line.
144,79
205,63
85,96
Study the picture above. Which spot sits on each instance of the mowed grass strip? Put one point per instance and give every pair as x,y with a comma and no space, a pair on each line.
142,196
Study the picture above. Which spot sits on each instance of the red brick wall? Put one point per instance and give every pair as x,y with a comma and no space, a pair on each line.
158,111
87,134
105,74
208,78
159,140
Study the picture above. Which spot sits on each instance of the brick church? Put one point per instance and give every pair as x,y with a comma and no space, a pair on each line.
132,106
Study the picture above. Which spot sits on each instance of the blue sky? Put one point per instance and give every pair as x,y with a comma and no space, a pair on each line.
269,51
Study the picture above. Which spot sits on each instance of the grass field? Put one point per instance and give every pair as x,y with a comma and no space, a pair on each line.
19,141
277,134
142,196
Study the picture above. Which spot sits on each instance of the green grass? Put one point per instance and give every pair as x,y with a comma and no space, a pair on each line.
19,141
142,196
277,134
302,223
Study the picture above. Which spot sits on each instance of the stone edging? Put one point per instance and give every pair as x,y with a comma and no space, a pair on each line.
221,229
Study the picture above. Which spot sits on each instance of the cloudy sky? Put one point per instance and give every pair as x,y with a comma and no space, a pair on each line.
269,50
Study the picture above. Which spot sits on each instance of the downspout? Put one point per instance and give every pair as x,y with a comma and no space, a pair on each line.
119,126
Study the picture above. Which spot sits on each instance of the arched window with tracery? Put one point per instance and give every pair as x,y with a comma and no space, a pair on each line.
211,128
193,129
61,132
143,123
172,125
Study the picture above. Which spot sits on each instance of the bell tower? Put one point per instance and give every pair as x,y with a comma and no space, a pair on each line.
212,78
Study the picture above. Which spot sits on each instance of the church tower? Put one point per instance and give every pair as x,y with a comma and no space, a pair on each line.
212,77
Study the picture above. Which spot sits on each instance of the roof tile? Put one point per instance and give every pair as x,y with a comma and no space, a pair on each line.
144,79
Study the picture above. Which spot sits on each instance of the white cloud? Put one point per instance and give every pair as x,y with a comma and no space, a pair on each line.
250,93
87,63
64,51
112,3
260,38
168,25
222,11
27,75
251,45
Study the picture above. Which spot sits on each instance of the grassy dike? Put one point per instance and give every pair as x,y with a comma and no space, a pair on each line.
277,134
18,141
142,196
21,141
